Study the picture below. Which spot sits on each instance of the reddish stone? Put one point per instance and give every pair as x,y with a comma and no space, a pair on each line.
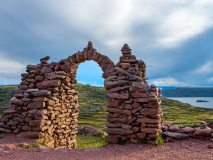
153,135
31,85
51,102
113,125
116,89
41,93
89,54
147,120
112,102
120,70
173,128
118,131
141,135
142,100
158,116
167,123
16,101
96,56
125,65
36,105
109,84
107,72
132,120
41,99
23,87
64,67
153,105
143,125
81,56
118,96
24,83
48,83
135,105
45,70
26,128
57,67
127,127
122,111
74,58
128,106
18,119
135,129
186,130
78,59
24,75
39,78
113,115
67,63
35,122
139,95
27,134
111,139
133,136
121,120
149,130
121,78
153,125
85,53
149,111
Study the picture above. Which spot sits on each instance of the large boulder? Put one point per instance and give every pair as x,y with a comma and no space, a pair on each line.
202,131
28,135
186,130
173,128
176,135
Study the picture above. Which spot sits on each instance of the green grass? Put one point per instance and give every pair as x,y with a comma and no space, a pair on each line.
6,93
92,102
90,141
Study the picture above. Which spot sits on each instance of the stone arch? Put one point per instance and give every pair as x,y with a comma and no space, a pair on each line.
46,104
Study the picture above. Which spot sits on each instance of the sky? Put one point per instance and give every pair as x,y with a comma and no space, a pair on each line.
173,37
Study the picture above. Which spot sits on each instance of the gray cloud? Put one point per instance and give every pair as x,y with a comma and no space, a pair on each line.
174,38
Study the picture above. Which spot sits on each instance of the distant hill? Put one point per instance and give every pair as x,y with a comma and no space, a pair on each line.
188,92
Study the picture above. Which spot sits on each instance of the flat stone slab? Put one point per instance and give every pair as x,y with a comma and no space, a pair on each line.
176,135
5,130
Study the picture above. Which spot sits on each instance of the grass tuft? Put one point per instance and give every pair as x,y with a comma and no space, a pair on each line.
90,141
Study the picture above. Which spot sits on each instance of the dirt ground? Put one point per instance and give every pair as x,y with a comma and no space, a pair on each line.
12,148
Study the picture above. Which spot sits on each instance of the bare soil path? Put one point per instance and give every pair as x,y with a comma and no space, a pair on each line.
190,149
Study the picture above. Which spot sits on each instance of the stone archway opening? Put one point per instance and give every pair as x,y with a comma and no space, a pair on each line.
91,98
46,104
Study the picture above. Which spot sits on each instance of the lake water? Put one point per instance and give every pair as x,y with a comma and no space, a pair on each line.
192,101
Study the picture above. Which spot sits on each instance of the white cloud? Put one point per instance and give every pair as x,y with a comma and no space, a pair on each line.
10,70
184,22
168,81
205,68
210,79
10,66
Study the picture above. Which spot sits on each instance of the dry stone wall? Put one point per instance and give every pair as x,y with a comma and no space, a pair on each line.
134,107
46,104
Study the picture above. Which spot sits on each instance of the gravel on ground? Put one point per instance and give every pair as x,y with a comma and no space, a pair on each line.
12,148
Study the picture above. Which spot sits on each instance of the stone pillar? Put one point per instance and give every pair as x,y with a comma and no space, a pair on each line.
134,111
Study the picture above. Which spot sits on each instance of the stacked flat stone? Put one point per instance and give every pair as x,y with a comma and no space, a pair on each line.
134,107
46,104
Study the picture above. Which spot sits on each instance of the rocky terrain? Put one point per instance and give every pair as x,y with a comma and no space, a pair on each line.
189,149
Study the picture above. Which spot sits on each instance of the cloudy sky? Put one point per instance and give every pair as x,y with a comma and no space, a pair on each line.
173,37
